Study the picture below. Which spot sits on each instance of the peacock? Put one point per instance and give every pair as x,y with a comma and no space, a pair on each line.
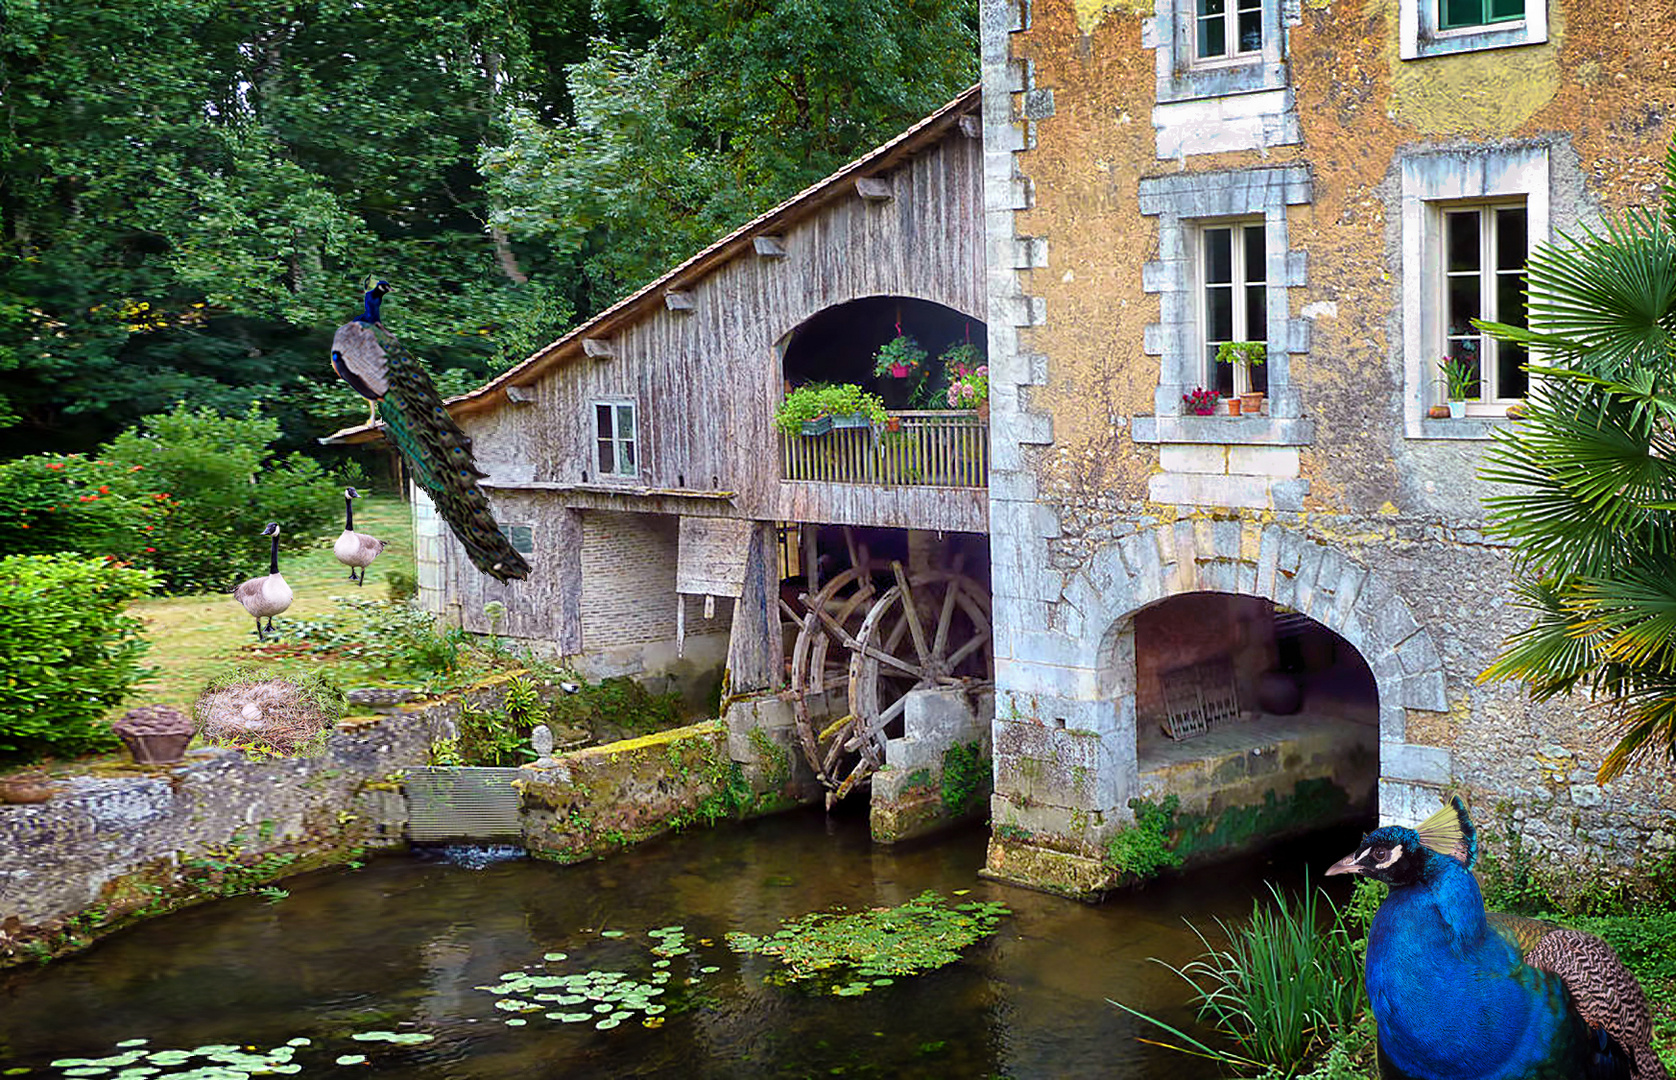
1461,994
438,454
267,595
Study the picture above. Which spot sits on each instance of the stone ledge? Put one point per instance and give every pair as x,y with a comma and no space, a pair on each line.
1224,430
1469,427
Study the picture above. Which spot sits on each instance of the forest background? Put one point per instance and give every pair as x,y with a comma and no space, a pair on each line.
192,192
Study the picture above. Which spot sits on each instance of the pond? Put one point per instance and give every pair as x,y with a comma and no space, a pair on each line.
405,945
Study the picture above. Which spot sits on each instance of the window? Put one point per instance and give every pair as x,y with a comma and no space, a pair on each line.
1440,27
614,433
522,538
1233,296
1484,250
1456,14
1227,29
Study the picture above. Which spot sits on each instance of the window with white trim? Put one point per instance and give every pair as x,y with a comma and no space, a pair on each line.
1227,30
615,439
1483,253
1233,301
1440,27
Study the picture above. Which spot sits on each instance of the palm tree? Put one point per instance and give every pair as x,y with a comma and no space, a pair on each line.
1591,469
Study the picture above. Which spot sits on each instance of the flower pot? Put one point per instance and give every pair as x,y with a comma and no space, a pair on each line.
899,371
1438,412
26,789
1233,406
820,425
854,420
983,411
1457,410
156,749
1252,403
893,423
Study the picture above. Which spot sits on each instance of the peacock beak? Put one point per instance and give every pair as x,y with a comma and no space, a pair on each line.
1346,865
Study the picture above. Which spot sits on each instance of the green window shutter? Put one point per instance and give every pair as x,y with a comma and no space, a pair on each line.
1501,10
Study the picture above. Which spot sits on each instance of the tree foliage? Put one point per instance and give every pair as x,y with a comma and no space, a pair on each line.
192,191
1591,469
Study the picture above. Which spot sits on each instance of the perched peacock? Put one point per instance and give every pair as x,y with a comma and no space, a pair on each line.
438,454
1461,994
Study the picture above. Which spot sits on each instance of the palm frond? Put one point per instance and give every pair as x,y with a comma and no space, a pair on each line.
1555,652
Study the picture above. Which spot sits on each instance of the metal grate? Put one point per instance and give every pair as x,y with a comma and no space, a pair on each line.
1198,697
460,803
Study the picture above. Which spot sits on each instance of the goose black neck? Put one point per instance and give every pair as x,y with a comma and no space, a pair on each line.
348,514
273,557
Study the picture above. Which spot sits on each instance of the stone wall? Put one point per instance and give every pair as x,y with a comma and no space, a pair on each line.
940,772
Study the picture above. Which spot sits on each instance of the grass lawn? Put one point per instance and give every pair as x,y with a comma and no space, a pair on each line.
194,637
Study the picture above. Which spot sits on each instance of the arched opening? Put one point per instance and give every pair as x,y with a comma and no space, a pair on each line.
838,344
1236,697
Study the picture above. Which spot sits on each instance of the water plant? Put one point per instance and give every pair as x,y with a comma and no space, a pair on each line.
1144,849
1283,990
877,945
217,1061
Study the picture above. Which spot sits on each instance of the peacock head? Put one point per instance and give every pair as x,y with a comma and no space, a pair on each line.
271,529
1400,856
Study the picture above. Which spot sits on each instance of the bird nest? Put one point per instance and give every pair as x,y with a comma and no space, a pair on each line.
289,716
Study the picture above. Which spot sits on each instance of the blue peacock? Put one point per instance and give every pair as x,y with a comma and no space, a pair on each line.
438,454
1462,994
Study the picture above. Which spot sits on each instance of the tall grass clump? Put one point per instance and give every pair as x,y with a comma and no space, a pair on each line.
1286,987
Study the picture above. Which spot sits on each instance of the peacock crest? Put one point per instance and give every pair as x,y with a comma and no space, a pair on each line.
1450,831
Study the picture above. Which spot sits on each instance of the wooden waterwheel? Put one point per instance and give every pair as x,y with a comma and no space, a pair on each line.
929,630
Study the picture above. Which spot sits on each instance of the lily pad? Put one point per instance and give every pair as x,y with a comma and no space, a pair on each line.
125,1043
607,1024
516,1021
571,1017
611,933
352,1059
556,956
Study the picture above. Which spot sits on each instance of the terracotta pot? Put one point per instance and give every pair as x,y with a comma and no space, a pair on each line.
26,789
157,749
983,412
1252,403
1438,412
893,423
1233,406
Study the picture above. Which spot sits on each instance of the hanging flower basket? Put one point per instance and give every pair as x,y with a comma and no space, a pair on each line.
899,371
899,357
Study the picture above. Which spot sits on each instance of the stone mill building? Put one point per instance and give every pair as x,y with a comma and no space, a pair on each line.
1278,617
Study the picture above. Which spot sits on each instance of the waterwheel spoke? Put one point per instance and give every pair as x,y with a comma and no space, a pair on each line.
973,645
869,650
911,609
940,644
877,726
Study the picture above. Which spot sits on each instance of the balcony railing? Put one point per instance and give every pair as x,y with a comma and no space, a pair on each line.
929,449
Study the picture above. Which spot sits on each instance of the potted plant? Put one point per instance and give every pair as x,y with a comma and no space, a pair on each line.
155,734
1247,355
1460,381
815,409
969,385
1201,402
899,357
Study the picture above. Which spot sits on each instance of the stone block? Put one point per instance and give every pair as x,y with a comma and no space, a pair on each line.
1425,691
1225,540
1050,648
1052,679
1393,720
1288,494
1416,764
1419,653
1404,802
1218,575
1277,461
1188,458
1268,560
1195,489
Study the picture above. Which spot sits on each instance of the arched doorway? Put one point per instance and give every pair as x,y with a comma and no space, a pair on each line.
838,344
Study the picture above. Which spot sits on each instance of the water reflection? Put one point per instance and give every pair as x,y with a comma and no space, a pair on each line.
401,944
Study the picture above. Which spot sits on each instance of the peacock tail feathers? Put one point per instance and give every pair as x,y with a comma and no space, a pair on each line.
1450,832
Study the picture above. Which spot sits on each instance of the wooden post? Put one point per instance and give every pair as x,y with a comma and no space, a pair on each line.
808,533
567,575
755,654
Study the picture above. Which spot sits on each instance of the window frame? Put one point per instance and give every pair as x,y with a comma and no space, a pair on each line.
1238,285
615,437
1494,405
1230,30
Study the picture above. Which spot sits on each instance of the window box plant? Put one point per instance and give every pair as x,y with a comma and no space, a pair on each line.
818,408
968,381
1245,355
1201,402
899,357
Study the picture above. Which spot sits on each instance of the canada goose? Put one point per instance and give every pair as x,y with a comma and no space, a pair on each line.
355,550
268,595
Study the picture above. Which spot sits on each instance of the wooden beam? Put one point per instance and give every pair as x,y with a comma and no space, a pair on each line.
873,189
769,247
676,300
598,348
521,395
971,126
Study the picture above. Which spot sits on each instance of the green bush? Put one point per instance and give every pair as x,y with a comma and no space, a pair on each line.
620,703
215,485
68,652
1144,848
821,399
67,502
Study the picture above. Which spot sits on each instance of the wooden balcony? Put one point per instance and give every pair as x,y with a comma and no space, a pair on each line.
928,449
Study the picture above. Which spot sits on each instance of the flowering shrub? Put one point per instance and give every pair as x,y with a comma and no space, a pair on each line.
1201,402
68,653
68,502
821,399
968,387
